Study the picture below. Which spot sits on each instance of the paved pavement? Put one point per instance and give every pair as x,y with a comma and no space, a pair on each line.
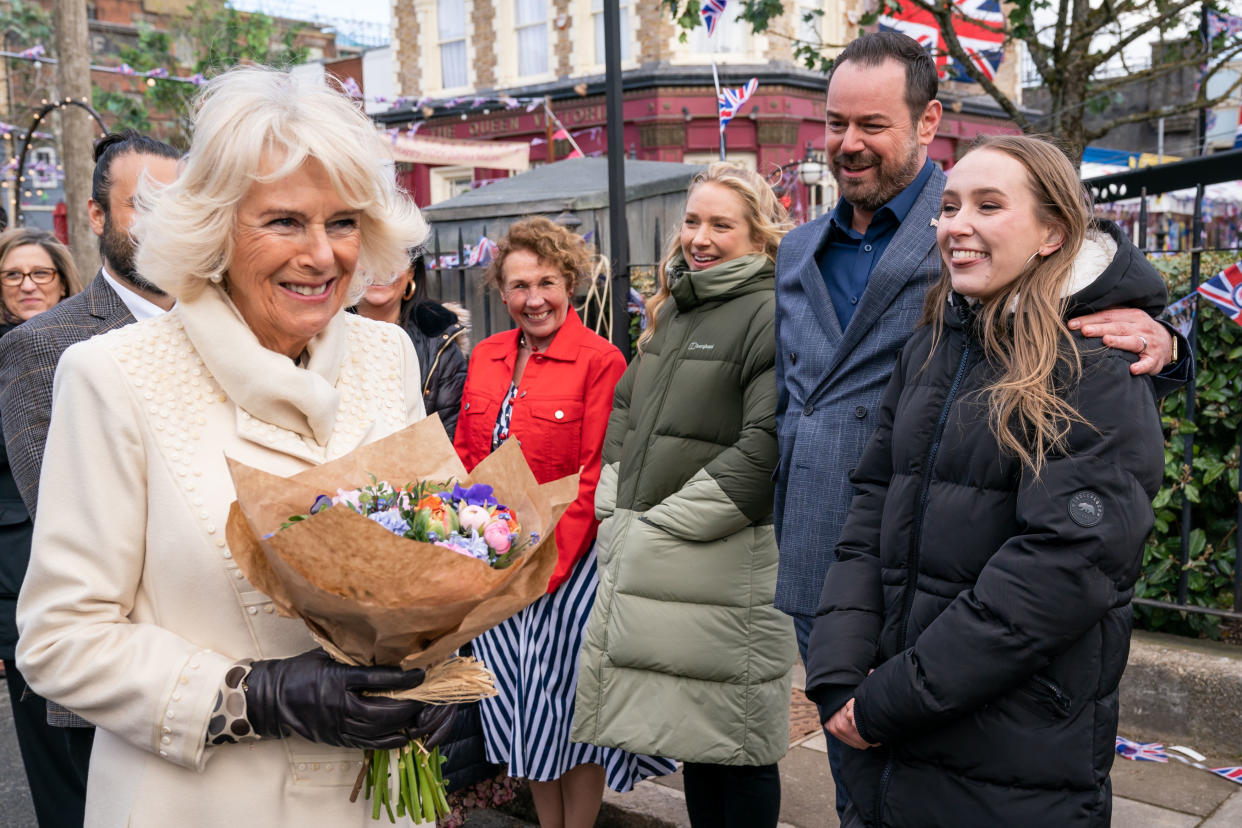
1147,794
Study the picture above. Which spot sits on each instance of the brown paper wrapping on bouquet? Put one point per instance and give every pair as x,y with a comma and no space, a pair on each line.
376,597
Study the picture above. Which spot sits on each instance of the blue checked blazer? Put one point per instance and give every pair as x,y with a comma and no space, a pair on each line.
830,383
28,357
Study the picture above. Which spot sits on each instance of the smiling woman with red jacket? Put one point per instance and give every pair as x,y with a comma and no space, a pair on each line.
549,385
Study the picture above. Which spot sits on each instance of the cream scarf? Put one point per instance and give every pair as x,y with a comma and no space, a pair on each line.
265,384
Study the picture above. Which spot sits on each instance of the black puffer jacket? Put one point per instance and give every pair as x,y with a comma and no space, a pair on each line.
994,696
438,334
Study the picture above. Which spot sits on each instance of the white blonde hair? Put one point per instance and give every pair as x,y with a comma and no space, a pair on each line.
250,117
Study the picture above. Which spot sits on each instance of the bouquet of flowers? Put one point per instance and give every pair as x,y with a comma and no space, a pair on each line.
467,520
388,575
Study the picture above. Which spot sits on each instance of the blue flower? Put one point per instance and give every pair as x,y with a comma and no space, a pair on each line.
322,502
392,521
480,494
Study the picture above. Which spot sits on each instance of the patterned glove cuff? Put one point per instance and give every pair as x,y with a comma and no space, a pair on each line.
228,722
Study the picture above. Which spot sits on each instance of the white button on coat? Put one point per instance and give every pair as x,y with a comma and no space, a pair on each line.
560,415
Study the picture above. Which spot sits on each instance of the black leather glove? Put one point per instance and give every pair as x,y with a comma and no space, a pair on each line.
434,724
323,700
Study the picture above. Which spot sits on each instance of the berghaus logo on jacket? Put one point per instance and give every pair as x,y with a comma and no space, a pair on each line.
699,346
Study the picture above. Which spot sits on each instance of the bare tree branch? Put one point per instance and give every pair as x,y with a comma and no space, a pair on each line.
1143,29
958,52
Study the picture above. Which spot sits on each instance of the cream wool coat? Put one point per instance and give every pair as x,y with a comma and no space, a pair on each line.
133,608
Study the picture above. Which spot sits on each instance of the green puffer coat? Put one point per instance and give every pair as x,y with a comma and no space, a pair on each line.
684,654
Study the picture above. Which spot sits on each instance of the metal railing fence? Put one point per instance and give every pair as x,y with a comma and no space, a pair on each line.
1197,173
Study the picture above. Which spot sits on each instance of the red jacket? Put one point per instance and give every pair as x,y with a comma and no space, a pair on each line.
559,418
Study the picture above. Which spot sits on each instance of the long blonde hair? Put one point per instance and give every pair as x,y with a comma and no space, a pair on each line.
1022,325
768,220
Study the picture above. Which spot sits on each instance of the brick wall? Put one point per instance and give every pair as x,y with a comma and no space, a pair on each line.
406,48
781,33
655,31
563,50
483,43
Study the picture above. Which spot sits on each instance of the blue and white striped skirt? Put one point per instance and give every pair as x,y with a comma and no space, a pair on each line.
534,656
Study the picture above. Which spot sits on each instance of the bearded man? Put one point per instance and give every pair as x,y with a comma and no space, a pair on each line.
849,291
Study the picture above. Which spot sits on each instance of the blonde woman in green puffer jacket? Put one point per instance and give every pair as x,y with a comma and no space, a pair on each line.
685,655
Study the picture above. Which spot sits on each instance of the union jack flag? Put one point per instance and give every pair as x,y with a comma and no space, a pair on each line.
1232,774
978,29
712,11
732,100
482,253
1223,24
1141,751
1224,290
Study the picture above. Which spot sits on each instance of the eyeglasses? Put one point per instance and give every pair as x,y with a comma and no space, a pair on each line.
40,276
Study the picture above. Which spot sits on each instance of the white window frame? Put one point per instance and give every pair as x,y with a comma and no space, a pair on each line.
628,47
549,40
734,41
747,159
442,42
447,182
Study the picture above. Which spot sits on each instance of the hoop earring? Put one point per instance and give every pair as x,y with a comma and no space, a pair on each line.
409,292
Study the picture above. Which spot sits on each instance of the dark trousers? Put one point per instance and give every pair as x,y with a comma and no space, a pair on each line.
802,629
732,796
56,758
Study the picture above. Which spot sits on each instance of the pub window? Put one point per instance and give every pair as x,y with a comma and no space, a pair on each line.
531,21
597,13
452,19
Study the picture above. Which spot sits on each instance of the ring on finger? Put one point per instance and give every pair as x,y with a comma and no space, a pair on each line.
1142,339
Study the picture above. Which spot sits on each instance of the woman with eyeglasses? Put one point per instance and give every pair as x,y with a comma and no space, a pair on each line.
36,272
548,385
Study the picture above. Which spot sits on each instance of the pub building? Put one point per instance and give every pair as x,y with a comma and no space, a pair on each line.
463,87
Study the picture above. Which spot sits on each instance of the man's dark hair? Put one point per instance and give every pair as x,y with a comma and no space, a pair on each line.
113,146
873,48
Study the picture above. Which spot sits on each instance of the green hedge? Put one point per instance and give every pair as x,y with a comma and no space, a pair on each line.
1211,484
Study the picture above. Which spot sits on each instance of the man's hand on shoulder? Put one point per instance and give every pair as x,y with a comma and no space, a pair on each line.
1130,329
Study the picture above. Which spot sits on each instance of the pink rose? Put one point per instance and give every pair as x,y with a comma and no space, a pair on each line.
496,534
473,518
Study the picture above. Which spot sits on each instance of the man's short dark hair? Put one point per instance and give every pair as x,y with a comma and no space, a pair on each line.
873,48
113,146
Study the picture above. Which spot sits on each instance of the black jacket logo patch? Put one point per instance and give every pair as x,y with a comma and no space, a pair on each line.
1086,508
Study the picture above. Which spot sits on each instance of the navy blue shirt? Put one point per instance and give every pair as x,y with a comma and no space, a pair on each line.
847,258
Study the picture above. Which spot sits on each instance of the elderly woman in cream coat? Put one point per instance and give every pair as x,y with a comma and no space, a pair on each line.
212,709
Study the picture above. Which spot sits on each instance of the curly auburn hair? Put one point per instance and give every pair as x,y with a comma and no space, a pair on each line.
552,243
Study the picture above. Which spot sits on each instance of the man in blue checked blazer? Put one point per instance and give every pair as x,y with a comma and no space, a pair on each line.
849,291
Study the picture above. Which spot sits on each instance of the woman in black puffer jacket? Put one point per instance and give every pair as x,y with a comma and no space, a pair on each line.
973,631
439,332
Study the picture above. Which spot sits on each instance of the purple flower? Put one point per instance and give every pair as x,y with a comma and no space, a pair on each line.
322,502
480,494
